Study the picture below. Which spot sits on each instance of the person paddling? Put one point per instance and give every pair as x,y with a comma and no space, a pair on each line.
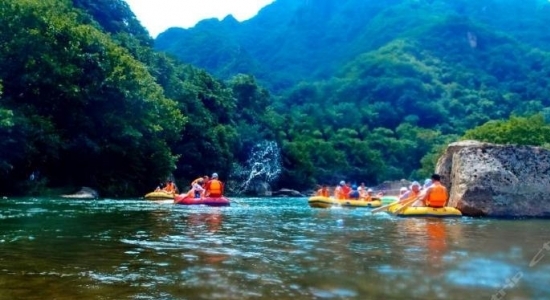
214,187
323,191
170,187
412,194
339,191
436,195
197,187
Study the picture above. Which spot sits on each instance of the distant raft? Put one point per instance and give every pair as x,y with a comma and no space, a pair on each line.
160,195
424,211
327,202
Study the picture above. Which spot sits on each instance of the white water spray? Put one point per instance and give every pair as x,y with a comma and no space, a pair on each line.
262,166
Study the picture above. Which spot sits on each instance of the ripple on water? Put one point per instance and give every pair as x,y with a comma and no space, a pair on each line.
481,272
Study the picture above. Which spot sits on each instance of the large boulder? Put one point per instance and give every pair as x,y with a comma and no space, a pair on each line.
287,193
497,180
259,188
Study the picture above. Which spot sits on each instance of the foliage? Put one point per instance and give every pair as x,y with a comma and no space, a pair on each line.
406,78
533,131
358,90
87,112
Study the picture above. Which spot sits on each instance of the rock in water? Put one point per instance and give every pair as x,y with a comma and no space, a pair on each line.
497,180
84,193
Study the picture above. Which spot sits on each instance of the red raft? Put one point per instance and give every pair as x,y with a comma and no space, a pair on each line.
210,201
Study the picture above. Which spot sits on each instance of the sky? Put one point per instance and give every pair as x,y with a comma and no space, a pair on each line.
158,15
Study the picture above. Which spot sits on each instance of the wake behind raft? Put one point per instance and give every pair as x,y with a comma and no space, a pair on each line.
185,199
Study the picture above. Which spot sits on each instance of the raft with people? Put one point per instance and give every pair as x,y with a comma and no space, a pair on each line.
185,199
424,211
159,195
327,202
429,202
204,191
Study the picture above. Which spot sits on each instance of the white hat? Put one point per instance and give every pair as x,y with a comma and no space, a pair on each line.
370,190
215,175
342,182
403,189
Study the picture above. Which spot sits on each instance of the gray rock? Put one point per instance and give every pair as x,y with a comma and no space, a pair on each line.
260,189
83,193
287,193
497,180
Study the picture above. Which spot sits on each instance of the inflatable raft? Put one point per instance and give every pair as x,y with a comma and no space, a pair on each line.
160,195
423,211
326,202
209,201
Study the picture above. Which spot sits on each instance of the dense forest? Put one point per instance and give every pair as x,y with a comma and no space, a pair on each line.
371,90
356,90
87,101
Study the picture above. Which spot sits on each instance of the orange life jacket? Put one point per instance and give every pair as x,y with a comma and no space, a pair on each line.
170,188
323,193
215,188
346,189
437,196
339,193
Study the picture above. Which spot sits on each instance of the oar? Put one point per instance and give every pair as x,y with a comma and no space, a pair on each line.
384,208
407,204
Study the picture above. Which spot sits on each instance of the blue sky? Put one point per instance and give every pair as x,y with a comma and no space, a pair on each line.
159,15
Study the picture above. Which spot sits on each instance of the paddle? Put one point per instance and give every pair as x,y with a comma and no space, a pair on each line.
407,204
384,208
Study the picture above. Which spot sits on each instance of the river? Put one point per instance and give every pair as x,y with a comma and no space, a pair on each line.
262,249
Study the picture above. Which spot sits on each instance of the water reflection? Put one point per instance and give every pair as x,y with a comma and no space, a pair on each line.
211,220
259,249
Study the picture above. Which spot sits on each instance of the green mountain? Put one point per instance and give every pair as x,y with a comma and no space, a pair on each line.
291,41
364,90
368,90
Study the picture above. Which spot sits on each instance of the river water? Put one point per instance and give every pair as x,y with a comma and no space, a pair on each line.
262,249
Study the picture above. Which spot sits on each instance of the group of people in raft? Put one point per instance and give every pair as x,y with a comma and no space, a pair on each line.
431,194
200,187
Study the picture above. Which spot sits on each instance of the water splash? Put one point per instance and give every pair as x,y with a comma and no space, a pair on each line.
262,166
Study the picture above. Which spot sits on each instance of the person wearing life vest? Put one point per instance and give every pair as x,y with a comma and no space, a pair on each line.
370,196
346,189
436,195
170,187
214,187
411,194
323,191
339,191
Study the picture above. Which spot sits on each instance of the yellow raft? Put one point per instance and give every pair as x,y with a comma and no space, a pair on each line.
326,202
423,211
161,195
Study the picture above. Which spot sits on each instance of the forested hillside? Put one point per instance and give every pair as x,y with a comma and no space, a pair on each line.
363,90
369,90
86,101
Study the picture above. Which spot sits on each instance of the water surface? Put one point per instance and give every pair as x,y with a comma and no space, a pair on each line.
262,249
